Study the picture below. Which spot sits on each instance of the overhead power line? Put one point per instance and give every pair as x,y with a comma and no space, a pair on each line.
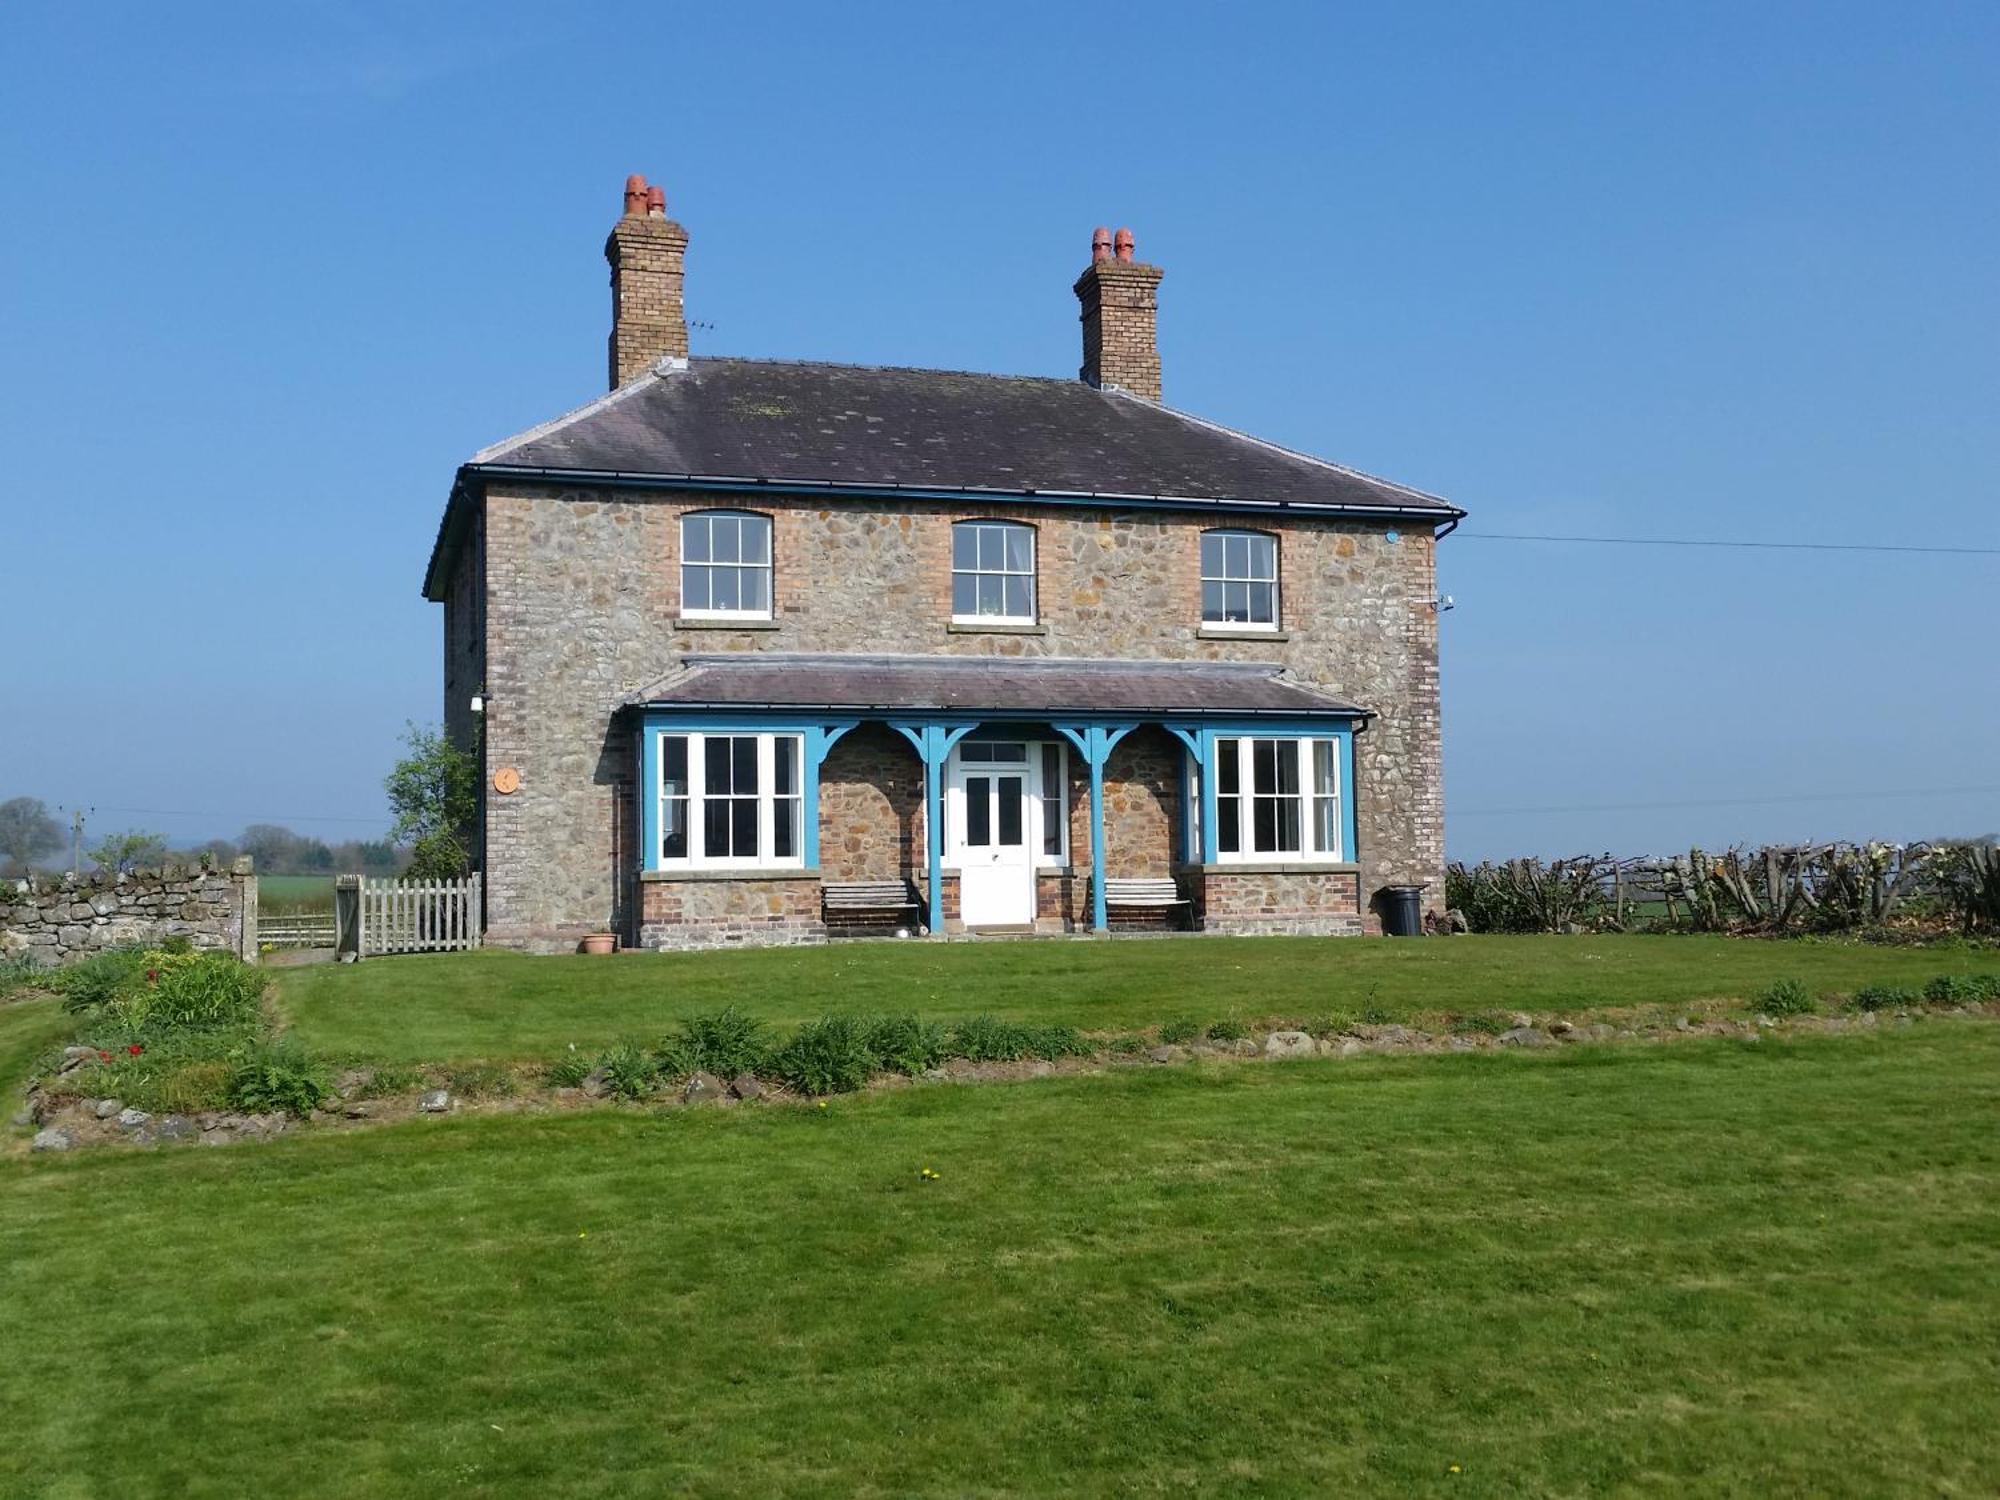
1669,541
1772,801
378,820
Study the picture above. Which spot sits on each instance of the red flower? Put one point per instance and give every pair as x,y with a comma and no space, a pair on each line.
103,1056
152,976
135,1049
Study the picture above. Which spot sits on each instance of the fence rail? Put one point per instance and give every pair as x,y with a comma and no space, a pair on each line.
406,916
301,930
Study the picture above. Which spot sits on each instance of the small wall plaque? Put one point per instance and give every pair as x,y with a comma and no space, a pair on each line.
506,781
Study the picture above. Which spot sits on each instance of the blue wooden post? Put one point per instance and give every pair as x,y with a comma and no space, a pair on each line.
819,738
933,744
1094,743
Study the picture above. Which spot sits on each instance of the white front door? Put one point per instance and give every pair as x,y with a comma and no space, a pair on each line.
990,843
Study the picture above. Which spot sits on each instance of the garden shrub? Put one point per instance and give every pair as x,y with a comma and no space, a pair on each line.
1787,997
1962,989
277,1076
1054,1042
96,981
1127,1045
570,1070
1178,1031
192,992
1483,1025
628,1071
23,973
482,1080
989,1039
724,1042
1228,1031
1873,997
827,1056
905,1044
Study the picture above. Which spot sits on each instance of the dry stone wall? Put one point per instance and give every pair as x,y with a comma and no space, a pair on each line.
57,921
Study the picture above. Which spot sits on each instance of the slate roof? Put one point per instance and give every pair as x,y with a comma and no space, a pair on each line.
985,684
852,425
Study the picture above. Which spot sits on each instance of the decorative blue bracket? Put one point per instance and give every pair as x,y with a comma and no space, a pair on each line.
933,743
1094,743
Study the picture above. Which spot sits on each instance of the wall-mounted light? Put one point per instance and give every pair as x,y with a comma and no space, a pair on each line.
479,703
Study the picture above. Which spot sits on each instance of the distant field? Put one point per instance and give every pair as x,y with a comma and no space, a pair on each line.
292,893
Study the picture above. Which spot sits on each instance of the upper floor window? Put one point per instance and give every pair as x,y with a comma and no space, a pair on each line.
726,565
1239,579
993,572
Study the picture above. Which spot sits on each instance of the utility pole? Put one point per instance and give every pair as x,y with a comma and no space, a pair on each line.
76,815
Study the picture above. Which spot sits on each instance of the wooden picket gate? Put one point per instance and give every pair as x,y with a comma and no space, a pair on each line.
405,916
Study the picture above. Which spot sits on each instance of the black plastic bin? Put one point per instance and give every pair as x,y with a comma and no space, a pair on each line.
1403,910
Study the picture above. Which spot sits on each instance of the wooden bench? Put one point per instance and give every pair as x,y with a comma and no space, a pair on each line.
888,904
1155,896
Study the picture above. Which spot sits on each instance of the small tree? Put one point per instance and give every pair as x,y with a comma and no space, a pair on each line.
434,791
27,832
122,853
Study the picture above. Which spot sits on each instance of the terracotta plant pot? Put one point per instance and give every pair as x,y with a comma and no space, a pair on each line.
600,942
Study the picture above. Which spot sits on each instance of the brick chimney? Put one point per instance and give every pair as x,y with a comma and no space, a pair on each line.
647,251
1121,305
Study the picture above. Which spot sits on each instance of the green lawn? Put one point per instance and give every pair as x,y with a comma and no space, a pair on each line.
507,1006
1720,1267
280,894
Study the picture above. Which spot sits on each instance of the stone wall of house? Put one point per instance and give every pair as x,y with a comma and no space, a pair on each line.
57,921
1142,782
1268,899
711,913
582,613
871,807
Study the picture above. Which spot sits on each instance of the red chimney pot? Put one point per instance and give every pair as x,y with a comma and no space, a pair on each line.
1100,244
1124,243
656,202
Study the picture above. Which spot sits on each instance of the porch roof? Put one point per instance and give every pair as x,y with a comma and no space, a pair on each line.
1013,686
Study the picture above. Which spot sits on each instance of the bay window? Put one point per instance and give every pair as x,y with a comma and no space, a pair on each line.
1278,800
730,801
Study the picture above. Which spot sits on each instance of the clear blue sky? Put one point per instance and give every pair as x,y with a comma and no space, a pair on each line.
269,272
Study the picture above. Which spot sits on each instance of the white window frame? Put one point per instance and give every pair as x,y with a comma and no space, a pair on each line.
1003,572
1310,798
768,798
1225,534
766,566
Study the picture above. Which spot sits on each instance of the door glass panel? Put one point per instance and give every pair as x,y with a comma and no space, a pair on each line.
1009,790
1052,801
978,813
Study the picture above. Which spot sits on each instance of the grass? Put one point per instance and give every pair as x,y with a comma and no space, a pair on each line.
509,1006
28,1028
289,895
1715,1268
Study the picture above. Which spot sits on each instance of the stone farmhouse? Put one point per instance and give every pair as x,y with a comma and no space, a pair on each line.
752,651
